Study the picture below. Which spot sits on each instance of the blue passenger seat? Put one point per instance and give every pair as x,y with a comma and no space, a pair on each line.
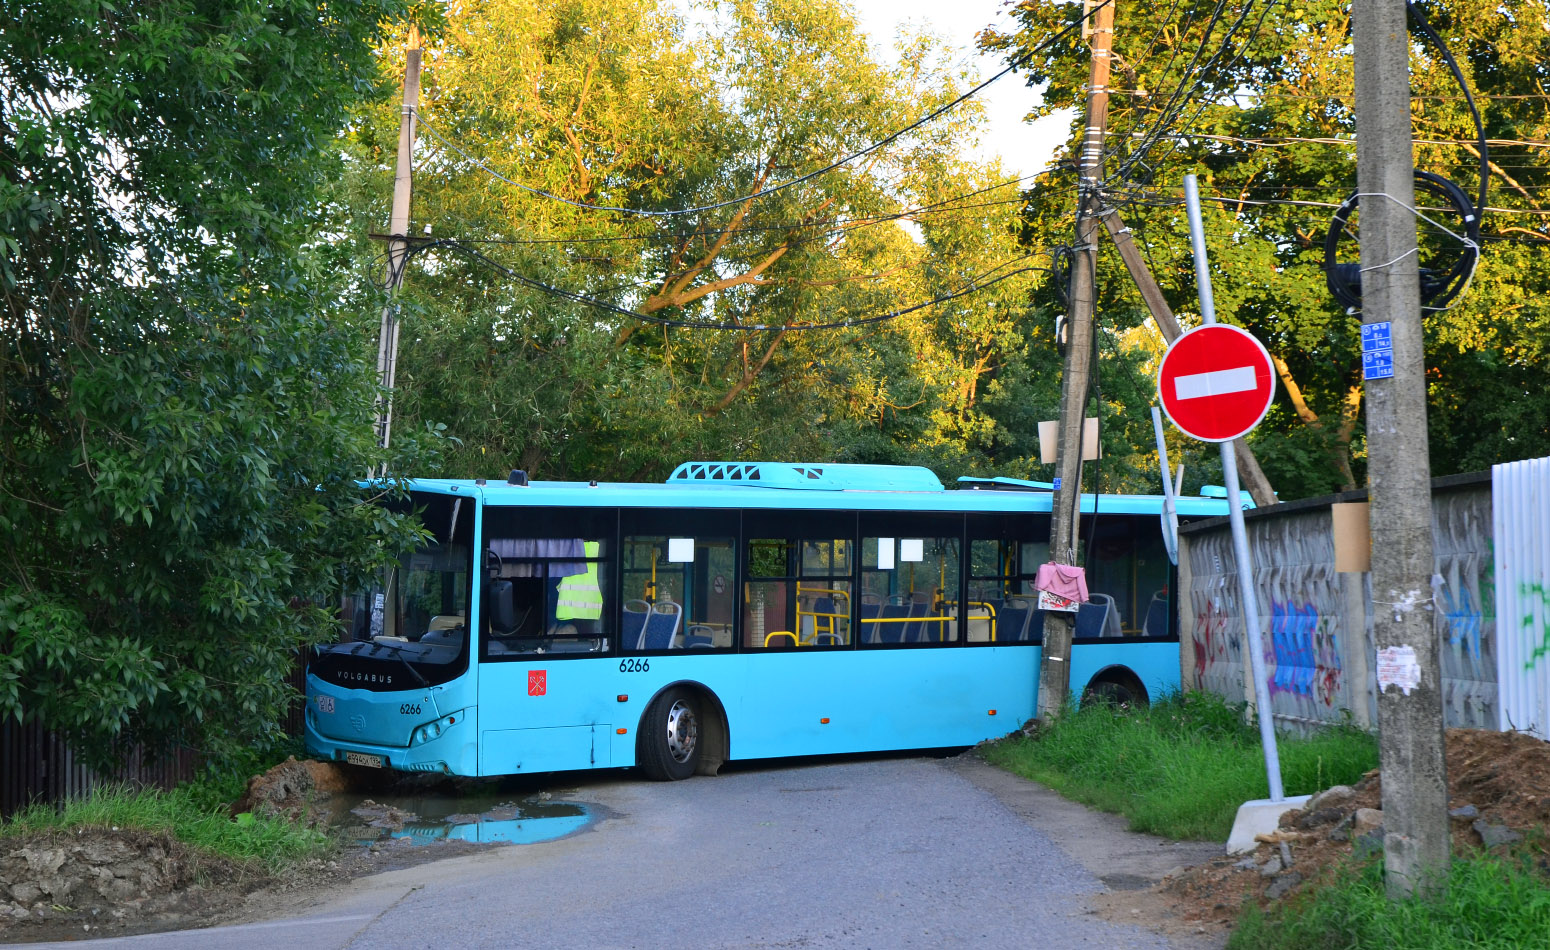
1156,624
632,627
661,625
1091,618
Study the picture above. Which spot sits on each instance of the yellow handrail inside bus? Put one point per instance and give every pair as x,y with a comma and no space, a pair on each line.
824,622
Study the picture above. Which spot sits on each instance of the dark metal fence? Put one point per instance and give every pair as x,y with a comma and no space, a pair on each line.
36,766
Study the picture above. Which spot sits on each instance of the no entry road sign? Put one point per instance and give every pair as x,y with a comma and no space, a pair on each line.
1216,382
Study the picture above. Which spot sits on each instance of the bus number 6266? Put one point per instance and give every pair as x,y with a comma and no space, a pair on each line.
630,665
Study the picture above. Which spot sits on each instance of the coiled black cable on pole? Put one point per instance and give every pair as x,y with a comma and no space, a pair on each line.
1439,288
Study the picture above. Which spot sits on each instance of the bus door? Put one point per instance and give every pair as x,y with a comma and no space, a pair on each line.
798,635
547,628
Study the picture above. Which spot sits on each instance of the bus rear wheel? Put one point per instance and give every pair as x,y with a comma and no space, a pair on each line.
669,747
1123,695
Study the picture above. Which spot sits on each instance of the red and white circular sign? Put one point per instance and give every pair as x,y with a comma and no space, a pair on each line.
1216,382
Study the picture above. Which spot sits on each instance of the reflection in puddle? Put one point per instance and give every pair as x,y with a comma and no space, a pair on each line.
479,819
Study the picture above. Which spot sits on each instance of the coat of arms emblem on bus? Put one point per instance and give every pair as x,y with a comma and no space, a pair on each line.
537,682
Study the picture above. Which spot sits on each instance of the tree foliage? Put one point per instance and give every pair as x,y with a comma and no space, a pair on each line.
1256,98
621,104
183,418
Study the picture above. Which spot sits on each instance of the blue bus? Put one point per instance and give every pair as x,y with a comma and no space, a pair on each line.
740,610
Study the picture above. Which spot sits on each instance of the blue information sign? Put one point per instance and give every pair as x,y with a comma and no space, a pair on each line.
1377,336
1378,350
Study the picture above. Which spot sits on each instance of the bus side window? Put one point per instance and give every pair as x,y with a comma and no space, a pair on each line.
677,593
798,593
546,595
910,590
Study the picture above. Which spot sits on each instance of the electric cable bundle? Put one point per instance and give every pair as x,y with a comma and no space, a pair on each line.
1439,286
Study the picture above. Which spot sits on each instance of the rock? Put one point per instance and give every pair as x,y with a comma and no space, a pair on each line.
1370,843
25,892
1320,817
1332,797
382,816
1495,835
1366,821
1282,885
14,911
1342,829
1464,811
1247,864
1272,867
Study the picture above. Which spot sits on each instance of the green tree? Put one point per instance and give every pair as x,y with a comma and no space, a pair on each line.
618,104
183,416
1256,99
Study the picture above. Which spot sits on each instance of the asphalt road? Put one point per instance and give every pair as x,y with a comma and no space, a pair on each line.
885,853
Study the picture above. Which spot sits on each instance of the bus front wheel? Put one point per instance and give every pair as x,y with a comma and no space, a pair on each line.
670,744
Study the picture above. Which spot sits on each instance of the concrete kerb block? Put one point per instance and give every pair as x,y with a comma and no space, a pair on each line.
1259,818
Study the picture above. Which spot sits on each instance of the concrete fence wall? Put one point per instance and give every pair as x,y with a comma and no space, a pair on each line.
1317,623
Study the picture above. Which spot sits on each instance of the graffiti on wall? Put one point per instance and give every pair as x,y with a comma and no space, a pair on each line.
1211,638
1528,590
1305,654
1465,621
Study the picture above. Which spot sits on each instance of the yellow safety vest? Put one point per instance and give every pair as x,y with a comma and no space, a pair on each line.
579,596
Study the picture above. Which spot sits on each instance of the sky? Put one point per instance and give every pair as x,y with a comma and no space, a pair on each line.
1023,148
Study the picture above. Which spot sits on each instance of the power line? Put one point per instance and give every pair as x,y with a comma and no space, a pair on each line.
641,212
1170,201
1189,79
979,282
1349,142
1242,54
835,224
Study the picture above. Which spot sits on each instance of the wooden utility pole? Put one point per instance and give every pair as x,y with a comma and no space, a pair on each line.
1065,518
398,239
1249,472
1410,739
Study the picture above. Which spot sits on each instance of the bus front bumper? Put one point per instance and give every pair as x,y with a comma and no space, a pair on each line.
445,748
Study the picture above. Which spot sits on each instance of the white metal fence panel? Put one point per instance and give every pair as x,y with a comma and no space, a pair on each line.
1520,493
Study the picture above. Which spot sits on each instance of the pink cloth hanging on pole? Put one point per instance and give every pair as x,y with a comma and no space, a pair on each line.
1063,580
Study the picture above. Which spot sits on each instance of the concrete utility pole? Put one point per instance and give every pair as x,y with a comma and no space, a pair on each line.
1410,739
1249,472
1065,519
398,240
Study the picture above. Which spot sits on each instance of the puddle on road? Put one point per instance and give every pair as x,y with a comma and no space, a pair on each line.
484,819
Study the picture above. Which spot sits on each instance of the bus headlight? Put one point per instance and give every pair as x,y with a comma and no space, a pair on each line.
432,730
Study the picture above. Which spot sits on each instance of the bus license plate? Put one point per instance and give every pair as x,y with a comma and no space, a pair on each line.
360,758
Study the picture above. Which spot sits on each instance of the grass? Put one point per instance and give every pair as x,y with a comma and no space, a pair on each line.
193,813
1486,902
1179,767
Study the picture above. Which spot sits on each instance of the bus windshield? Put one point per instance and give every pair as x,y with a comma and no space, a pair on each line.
409,627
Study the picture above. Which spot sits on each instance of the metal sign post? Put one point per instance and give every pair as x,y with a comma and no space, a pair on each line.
1240,538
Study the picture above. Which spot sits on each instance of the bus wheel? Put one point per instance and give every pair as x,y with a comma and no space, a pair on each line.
670,736
1120,695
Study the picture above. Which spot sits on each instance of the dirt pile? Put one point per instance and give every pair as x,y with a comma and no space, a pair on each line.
1498,792
102,870
294,790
